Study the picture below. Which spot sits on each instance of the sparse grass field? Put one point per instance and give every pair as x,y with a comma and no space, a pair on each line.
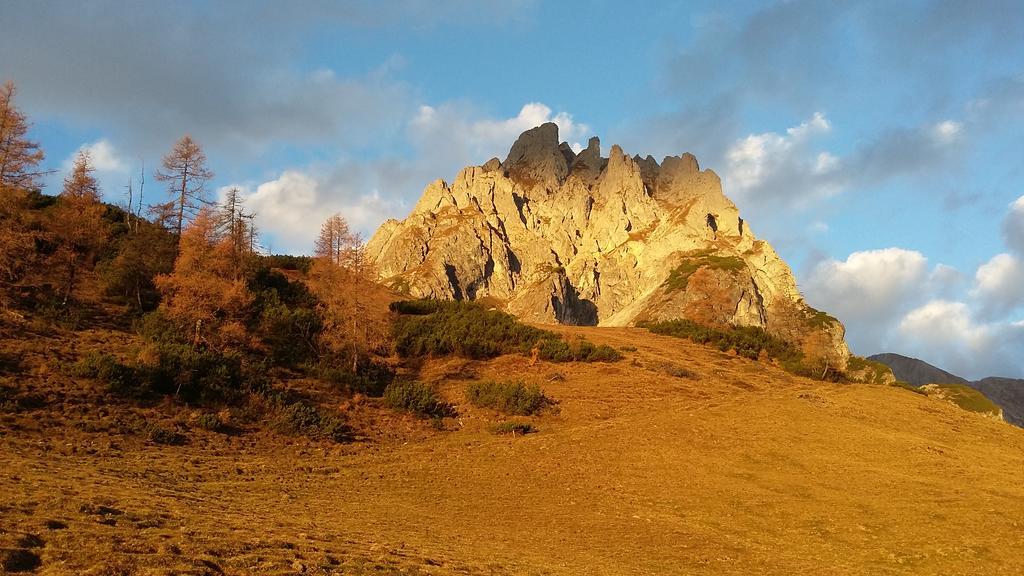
738,468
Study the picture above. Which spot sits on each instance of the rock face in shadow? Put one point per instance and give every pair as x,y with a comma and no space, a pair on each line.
558,237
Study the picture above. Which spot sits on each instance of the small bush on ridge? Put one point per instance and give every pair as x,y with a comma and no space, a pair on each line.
301,418
514,428
416,397
509,397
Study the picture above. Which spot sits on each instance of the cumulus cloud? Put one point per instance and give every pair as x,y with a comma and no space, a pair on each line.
769,167
868,290
290,208
946,334
999,285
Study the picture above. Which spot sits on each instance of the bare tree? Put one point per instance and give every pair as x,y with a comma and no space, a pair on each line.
337,243
184,169
234,226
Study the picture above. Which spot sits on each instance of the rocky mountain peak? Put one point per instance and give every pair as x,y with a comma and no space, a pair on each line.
536,157
555,236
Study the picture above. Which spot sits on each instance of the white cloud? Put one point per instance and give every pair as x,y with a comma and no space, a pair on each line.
769,167
947,132
1013,227
999,285
290,208
946,334
868,290
945,280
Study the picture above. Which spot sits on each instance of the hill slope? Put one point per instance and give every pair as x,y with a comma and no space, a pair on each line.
739,469
1007,393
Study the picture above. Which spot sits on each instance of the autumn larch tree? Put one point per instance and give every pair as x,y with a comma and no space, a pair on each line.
342,279
184,169
19,158
77,223
235,226
203,295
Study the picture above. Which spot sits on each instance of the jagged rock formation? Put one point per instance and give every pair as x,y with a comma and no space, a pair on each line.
558,237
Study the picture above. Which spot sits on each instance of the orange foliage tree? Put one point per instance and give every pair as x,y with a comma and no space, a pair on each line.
342,279
77,223
204,294
19,158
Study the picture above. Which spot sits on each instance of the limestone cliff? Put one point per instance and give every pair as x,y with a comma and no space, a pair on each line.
556,237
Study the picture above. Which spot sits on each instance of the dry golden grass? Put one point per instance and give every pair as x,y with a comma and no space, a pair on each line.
742,469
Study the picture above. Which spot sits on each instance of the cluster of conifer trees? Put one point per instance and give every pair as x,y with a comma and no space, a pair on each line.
194,262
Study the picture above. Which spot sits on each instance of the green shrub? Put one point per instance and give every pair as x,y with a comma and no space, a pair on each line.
209,421
120,379
675,370
287,262
418,307
747,341
868,371
818,319
469,330
416,397
509,397
156,327
289,333
514,428
301,418
679,277
967,398
371,377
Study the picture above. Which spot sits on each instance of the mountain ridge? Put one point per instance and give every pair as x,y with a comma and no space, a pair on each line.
1007,393
563,238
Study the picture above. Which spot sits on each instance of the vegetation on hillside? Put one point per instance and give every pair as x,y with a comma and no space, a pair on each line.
217,322
468,329
513,397
963,396
679,277
749,342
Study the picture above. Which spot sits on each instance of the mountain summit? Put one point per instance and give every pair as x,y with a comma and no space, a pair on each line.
558,237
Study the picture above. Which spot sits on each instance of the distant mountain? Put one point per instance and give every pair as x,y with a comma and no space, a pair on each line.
1008,393
916,372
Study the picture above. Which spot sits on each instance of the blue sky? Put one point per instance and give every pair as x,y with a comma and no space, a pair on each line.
875,144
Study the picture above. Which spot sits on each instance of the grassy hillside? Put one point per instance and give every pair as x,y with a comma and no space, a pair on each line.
965,397
678,459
